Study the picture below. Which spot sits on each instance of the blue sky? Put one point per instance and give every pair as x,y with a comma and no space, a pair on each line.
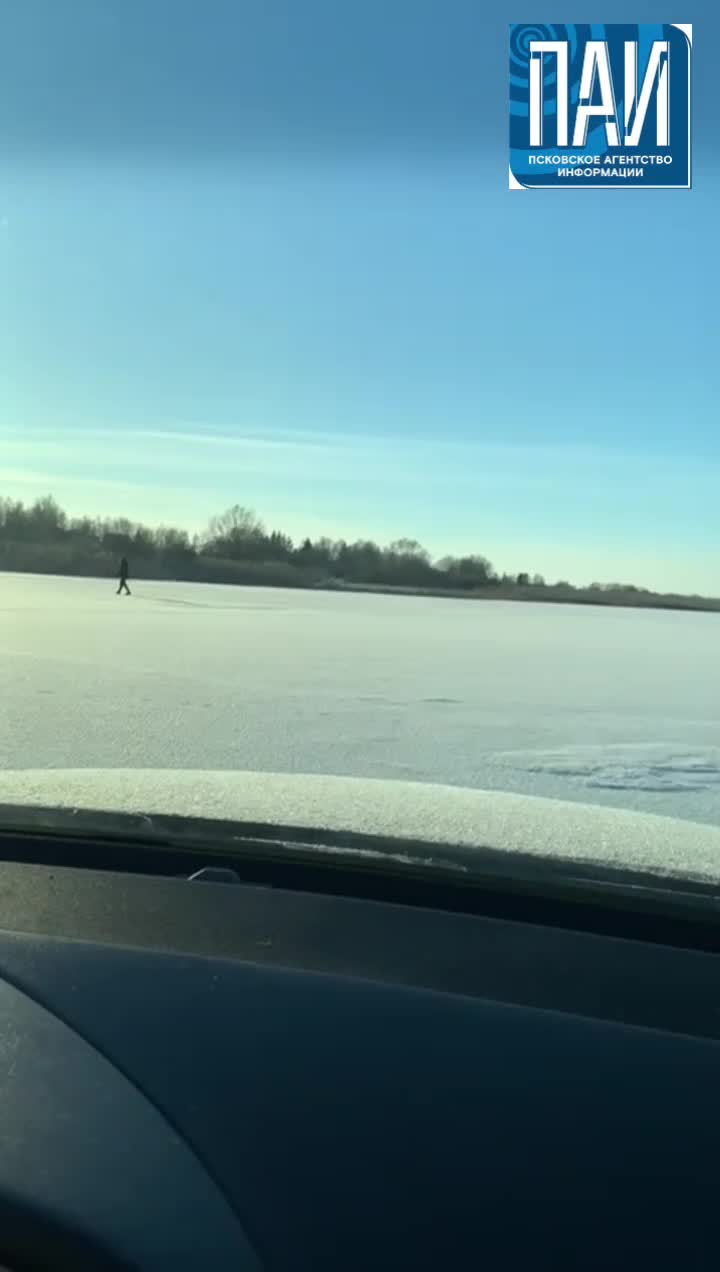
264,252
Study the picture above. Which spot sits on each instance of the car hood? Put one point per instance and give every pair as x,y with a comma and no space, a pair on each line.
388,810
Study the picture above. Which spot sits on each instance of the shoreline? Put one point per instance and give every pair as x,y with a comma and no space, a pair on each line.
533,594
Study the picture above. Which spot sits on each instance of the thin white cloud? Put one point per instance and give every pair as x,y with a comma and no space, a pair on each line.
417,480
36,478
316,445
258,441
81,496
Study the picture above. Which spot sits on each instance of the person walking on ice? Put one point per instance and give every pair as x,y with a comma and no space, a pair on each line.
124,571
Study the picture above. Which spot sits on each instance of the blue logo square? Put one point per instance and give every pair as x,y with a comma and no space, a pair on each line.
606,106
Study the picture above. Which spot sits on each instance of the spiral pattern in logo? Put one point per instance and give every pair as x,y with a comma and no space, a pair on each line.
521,37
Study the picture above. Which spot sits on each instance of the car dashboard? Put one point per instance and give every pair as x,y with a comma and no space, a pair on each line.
262,1070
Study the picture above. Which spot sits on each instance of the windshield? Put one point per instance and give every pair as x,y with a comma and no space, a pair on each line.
322,450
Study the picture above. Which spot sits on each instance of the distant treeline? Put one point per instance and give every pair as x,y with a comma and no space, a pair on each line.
237,548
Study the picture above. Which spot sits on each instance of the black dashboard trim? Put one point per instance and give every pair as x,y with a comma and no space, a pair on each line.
528,890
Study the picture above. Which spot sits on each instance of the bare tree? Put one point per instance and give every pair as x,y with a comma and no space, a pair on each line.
236,533
234,522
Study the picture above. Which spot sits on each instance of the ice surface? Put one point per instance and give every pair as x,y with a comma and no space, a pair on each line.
607,706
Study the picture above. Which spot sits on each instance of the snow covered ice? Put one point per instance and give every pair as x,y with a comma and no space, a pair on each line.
600,705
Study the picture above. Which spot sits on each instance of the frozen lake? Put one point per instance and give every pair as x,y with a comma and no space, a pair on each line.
601,705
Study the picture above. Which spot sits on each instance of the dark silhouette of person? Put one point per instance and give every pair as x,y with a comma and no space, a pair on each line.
124,571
